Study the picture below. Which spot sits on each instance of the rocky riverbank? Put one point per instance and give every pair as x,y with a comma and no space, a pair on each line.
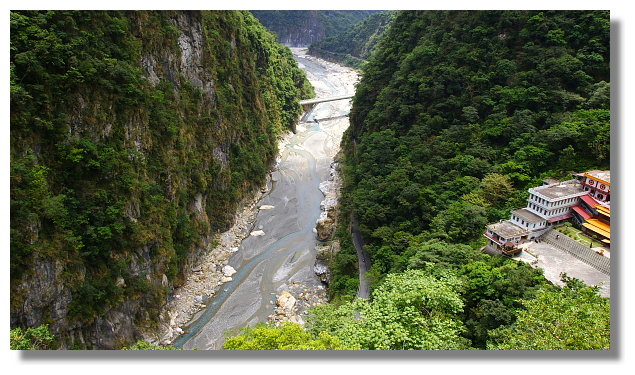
327,222
212,269
294,302
284,287
296,299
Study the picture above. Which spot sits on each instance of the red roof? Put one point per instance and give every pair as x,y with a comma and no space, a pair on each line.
582,212
589,200
558,218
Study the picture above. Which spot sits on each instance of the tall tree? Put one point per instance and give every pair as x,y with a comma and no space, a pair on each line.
410,310
572,318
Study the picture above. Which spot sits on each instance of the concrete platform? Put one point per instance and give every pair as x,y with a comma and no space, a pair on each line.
555,261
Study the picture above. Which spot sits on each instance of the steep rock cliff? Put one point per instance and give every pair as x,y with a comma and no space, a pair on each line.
300,28
134,137
355,45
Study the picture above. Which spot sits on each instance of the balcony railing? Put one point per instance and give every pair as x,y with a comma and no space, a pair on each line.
494,238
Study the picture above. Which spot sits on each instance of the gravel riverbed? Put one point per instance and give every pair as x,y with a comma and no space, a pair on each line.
262,269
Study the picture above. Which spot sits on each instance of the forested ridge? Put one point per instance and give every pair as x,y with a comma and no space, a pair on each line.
134,137
121,164
457,114
354,46
303,27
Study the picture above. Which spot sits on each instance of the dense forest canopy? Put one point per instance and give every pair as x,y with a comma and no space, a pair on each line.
355,45
458,113
119,122
302,27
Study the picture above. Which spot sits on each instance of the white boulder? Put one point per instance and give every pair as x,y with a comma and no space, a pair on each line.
286,301
228,271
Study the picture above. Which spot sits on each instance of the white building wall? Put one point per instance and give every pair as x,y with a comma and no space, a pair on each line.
548,209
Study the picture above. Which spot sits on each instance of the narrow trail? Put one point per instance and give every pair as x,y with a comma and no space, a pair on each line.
265,264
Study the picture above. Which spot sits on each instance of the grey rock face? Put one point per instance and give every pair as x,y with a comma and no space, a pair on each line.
44,293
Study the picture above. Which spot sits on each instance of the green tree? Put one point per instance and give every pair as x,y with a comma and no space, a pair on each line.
460,221
410,310
572,318
441,254
34,338
496,188
144,345
288,336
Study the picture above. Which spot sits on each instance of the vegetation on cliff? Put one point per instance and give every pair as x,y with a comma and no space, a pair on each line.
355,45
456,115
34,338
302,27
134,136
456,107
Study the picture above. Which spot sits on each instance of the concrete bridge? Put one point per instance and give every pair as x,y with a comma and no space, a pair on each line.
323,100
309,104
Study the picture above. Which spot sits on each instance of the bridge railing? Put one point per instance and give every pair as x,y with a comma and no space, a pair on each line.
323,100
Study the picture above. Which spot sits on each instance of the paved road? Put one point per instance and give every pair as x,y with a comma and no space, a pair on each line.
362,258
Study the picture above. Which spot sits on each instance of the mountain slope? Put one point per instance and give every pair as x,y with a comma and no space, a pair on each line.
458,113
355,45
134,137
300,28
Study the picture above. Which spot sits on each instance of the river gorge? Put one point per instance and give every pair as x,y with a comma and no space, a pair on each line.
271,249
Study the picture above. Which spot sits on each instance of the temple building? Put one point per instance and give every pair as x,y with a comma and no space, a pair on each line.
593,214
584,200
597,183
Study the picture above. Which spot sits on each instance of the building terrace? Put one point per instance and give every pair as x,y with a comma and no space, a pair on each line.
565,189
506,230
527,215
